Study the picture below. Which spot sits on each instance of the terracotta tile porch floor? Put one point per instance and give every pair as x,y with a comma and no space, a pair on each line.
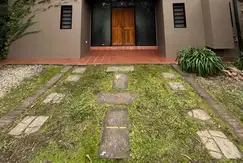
110,56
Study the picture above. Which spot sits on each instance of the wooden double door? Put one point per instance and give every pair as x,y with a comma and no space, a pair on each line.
123,26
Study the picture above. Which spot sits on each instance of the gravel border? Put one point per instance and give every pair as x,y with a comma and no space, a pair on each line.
11,76
15,112
218,109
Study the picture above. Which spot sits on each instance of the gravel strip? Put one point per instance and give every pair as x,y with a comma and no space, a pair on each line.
11,76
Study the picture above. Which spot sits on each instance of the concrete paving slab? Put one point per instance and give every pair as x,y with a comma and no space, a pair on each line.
199,114
115,144
73,78
168,75
120,81
36,124
229,150
54,98
177,86
21,126
120,69
116,98
79,70
117,117
218,145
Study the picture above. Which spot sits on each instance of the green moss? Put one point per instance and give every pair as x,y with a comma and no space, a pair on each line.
159,128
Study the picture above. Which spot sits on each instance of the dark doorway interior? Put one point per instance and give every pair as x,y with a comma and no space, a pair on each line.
102,32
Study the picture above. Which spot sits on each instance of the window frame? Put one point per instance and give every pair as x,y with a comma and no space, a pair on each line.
61,20
184,15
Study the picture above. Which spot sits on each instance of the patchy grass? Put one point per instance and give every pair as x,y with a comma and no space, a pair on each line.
228,92
27,88
159,128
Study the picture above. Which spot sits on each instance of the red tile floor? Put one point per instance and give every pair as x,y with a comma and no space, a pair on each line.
106,55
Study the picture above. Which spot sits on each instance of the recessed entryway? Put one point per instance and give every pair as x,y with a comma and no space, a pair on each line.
123,23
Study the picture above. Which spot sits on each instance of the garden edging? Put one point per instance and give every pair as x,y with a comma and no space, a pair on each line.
16,111
218,109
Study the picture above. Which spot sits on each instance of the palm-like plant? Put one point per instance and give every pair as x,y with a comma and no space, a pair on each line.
202,61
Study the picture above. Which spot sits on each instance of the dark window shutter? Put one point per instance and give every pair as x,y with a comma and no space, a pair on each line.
66,17
179,15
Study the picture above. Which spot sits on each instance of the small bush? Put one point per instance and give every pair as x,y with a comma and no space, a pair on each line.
202,61
239,63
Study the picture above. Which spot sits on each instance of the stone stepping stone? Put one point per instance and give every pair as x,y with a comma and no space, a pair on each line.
79,70
54,98
29,125
115,142
120,81
168,75
218,145
117,117
176,86
116,98
199,114
73,78
120,69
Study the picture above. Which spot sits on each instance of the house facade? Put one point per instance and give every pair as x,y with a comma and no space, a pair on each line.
69,29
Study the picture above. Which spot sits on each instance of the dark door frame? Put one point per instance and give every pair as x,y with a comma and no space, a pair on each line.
135,21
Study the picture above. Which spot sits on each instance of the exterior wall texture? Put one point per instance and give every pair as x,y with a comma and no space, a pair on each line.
52,42
217,25
192,35
160,27
85,28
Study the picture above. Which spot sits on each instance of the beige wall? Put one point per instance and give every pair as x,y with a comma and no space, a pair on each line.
218,27
160,27
207,23
192,35
51,41
85,28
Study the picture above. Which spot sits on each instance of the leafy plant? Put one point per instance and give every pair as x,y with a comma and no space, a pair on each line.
202,61
239,63
17,18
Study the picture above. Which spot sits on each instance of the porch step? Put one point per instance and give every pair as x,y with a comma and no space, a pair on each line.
123,48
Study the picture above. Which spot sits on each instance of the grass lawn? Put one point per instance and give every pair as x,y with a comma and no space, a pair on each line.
159,128
228,92
27,88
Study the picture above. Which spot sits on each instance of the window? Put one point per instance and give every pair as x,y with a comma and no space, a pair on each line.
66,17
179,15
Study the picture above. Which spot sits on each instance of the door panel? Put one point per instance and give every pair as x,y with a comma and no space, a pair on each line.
123,26
117,20
129,34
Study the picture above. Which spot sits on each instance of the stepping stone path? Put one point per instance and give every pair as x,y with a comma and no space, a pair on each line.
115,139
176,86
29,125
168,75
54,98
120,69
115,142
218,145
199,114
73,78
120,81
79,70
116,98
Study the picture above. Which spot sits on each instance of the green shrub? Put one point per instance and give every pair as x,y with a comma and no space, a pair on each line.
239,63
202,61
